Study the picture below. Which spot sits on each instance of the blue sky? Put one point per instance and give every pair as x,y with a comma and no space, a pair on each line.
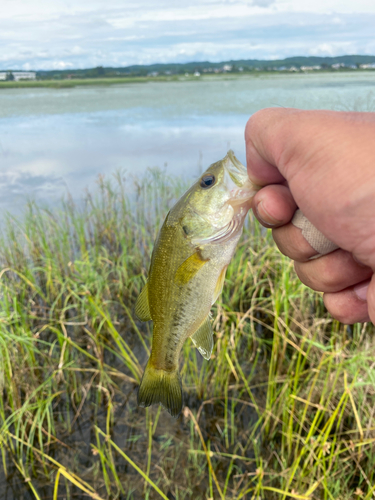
63,34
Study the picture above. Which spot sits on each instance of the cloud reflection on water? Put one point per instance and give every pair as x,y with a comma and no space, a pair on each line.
53,141
67,153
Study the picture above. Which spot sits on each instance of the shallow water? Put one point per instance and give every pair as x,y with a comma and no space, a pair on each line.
54,140
129,431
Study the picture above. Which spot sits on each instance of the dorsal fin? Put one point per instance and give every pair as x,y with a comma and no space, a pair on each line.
203,338
142,308
189,268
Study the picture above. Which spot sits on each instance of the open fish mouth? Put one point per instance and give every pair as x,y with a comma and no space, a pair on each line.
241,189
237,181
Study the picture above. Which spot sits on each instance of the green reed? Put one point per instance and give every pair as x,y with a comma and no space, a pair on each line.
284,409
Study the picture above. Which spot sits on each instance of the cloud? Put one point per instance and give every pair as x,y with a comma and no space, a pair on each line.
67,34
20,186
263,3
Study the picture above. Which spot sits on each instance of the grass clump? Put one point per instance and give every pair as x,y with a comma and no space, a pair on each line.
284,409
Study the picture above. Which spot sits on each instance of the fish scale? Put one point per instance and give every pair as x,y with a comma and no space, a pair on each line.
191,254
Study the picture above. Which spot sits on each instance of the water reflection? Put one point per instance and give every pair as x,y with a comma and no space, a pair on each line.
43,157
54,140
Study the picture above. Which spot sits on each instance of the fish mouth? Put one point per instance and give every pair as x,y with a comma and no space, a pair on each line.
240,192
237,181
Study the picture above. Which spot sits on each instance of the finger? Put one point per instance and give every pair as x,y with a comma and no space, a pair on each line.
283,138
347,307
333,272
369,295
261,163
274,205
292,243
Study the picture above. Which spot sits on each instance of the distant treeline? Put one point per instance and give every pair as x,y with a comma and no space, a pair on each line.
349,62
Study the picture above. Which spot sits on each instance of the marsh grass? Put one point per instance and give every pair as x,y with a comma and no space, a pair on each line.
284,409
77,82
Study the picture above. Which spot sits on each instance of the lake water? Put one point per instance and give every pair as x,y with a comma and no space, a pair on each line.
54,140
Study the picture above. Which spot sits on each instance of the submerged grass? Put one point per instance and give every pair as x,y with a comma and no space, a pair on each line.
284,409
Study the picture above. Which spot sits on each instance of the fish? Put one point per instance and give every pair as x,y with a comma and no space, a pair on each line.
188,265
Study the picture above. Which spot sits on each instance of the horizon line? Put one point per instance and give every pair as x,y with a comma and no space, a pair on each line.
188,62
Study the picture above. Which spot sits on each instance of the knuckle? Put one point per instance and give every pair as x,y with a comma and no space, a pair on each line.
341,309
325,276
320,274
292,244
315,275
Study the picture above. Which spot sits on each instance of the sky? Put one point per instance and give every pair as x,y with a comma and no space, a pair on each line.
64,34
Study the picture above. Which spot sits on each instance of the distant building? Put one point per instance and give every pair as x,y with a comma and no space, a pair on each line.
338,66
197,73
367,66
18,75
227,67
24,75
310,68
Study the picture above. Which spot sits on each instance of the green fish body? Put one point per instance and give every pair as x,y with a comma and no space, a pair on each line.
186,275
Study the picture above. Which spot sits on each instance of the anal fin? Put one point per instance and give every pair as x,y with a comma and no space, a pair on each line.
142,308
203,339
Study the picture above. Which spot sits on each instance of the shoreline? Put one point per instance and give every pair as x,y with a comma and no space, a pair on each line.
71,83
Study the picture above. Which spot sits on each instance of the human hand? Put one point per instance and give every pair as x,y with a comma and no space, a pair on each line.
324,163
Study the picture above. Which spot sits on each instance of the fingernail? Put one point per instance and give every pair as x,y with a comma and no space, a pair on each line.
265,217
361,290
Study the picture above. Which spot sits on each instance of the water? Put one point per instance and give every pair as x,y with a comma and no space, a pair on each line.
58,140
55,140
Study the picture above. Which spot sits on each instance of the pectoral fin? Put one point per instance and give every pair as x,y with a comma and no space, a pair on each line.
142,308
189,268
220,284
203,338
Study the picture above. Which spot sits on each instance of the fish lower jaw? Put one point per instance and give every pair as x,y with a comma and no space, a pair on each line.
242,197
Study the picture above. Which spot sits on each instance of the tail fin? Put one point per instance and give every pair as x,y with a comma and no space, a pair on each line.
159,386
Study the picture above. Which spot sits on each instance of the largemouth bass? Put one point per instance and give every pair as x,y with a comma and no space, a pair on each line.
186,275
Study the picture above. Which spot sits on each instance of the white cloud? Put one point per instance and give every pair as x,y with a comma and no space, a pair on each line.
331,49
338,20
327,6
67,33
62,65
186,12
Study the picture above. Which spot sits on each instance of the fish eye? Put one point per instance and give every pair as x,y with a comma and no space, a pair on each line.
207,181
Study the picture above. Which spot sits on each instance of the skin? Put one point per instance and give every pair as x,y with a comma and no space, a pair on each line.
188,264
177,309
324,163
